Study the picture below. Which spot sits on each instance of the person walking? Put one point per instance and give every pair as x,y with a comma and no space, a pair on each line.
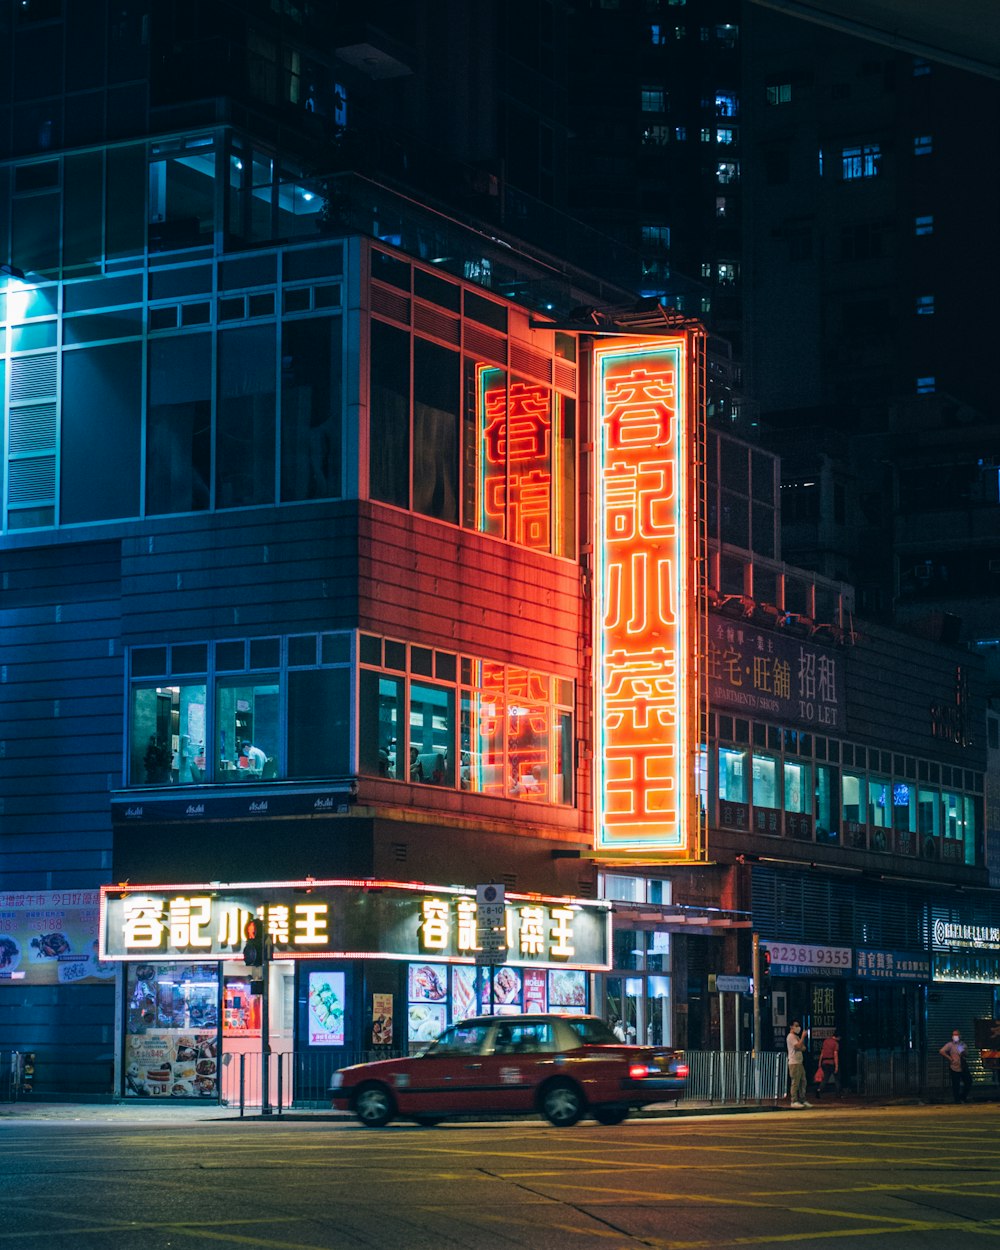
795,1043
828,1072
958,1067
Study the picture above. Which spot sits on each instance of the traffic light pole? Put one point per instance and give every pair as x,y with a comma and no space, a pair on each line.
265,1019
756,993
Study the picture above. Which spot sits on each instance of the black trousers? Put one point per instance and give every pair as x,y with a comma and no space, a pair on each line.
961,1083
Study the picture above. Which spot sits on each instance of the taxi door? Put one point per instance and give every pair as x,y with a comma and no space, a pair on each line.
511,1069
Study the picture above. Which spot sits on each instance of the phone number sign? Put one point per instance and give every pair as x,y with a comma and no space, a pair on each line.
790,959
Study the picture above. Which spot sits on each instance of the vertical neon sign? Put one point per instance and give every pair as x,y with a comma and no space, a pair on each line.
646,633
515,489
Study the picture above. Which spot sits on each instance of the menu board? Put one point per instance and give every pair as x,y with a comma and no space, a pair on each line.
506,989
326,1009
567,988
463,992
381,1019
534,989
170,1063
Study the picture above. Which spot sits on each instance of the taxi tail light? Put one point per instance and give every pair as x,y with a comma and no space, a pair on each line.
682,1070
637,1071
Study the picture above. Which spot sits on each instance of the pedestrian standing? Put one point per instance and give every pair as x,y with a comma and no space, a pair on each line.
958,1067
795,1043
828,1072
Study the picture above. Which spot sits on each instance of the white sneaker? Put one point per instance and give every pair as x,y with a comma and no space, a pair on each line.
807,1104
798,1105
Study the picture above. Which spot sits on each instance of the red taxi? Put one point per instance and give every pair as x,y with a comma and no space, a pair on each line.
563,1066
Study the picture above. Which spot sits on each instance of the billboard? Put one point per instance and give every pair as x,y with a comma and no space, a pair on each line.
648,631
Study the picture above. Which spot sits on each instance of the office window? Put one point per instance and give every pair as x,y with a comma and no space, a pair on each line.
101,432
167,735
880,802
861,162
436,391
766,791
798,790
923,145
181,193
179,424
311,408
928,812
827,813
247,730
852,798
925,305
389,415
432,734
319,723
245,418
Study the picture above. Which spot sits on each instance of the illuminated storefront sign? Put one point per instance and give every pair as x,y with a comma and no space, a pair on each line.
647,632
345,919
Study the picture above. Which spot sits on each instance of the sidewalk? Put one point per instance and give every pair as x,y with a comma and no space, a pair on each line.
163,1112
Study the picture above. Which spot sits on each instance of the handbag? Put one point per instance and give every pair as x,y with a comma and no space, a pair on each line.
818,1078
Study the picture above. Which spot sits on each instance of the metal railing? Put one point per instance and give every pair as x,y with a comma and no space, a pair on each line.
735,1076
296,1078
15,1074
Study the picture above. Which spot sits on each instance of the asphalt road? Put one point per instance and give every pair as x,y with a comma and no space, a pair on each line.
840,1177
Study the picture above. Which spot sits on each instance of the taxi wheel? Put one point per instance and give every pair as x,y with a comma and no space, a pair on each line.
373,1105
610,1115
562,1103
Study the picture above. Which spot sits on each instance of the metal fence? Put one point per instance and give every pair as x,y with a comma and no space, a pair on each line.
16,1072
735,1076
296,1078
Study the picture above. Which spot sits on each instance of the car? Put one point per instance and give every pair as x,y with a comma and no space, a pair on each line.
559,1065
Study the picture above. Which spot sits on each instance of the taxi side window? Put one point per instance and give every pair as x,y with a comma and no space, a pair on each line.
462,1039
523,1039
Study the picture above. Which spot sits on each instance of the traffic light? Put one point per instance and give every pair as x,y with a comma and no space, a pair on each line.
765,970
253,950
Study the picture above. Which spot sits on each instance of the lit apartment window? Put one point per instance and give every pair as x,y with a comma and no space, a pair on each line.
706,303
926,386
720,206
706,268
727,272
727,35
726,104
655,136
923,145
727,171
861,162
925,305
657,35
923,225
706,134
680,32
654,100
920,67
781,93
680,133
725,134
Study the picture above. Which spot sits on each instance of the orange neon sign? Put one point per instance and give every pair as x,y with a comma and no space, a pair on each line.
646,629
516,459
